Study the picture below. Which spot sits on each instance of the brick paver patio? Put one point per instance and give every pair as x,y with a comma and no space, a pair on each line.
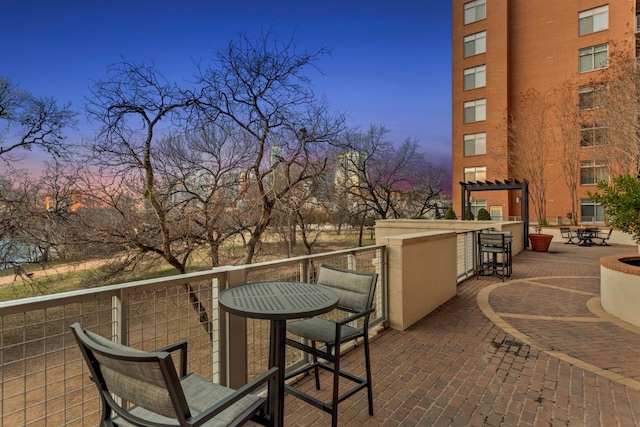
534,350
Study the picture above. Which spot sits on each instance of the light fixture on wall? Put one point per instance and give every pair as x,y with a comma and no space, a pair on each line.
517,199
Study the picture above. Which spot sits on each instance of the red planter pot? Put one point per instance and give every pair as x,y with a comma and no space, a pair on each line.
540,242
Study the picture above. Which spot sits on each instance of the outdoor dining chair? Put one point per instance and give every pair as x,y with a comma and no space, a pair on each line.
603,236
140,388
568,235
355,290
494,254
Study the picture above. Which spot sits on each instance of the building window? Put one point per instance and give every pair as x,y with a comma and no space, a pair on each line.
475,77
496,213
592,134
475,44
476,205
592,172
593,20
475,144
591,211
478,173
475,111
591,96
474,11
593,58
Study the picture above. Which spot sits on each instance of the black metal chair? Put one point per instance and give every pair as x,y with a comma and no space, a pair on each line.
355,290
603,237
140,388
494,254
568,235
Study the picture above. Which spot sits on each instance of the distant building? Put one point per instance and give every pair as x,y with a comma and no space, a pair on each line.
70,202
503,48
347,170
275,154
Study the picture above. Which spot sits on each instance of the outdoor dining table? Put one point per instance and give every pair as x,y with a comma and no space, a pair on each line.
277,302
586,236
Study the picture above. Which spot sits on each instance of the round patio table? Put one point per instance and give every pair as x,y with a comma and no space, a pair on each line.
277,302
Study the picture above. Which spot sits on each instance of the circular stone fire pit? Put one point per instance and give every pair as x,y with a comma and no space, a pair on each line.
620,287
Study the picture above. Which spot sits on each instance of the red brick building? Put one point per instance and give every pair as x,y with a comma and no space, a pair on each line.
501,49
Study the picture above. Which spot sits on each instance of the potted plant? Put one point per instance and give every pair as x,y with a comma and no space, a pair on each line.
539,241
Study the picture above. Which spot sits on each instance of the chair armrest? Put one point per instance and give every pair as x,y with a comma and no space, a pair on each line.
182,346
258,382
356,316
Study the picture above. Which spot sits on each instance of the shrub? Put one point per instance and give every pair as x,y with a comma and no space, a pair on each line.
483,215
621,203
450,214
469,216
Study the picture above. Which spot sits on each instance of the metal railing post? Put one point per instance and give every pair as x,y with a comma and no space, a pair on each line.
235,339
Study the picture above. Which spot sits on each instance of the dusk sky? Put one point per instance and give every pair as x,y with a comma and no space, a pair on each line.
390,63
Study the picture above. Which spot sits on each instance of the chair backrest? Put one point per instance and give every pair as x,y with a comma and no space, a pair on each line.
491,239
355,289
506,233
565,231
146,379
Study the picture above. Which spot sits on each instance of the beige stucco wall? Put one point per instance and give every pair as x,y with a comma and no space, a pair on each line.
620,289
393,227
421,274
422,258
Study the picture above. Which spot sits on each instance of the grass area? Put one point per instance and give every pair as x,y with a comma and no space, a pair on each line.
60,277
42,282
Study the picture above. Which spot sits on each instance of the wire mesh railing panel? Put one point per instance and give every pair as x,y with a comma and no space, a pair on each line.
41,369
465,251
163,316
45,381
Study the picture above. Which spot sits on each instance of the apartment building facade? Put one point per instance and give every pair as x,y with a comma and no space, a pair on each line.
501,50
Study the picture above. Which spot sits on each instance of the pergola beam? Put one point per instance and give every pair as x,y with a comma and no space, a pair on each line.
469,187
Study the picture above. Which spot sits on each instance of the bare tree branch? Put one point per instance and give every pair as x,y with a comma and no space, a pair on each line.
32,122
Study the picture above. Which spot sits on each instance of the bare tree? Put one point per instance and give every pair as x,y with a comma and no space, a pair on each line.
392,182
50,224
16,191
619,114
131,104
568,121
31,122
203,170
260,88
310,218
36,220
529,134
305,210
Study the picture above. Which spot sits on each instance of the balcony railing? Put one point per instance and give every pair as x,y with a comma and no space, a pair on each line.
43,380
